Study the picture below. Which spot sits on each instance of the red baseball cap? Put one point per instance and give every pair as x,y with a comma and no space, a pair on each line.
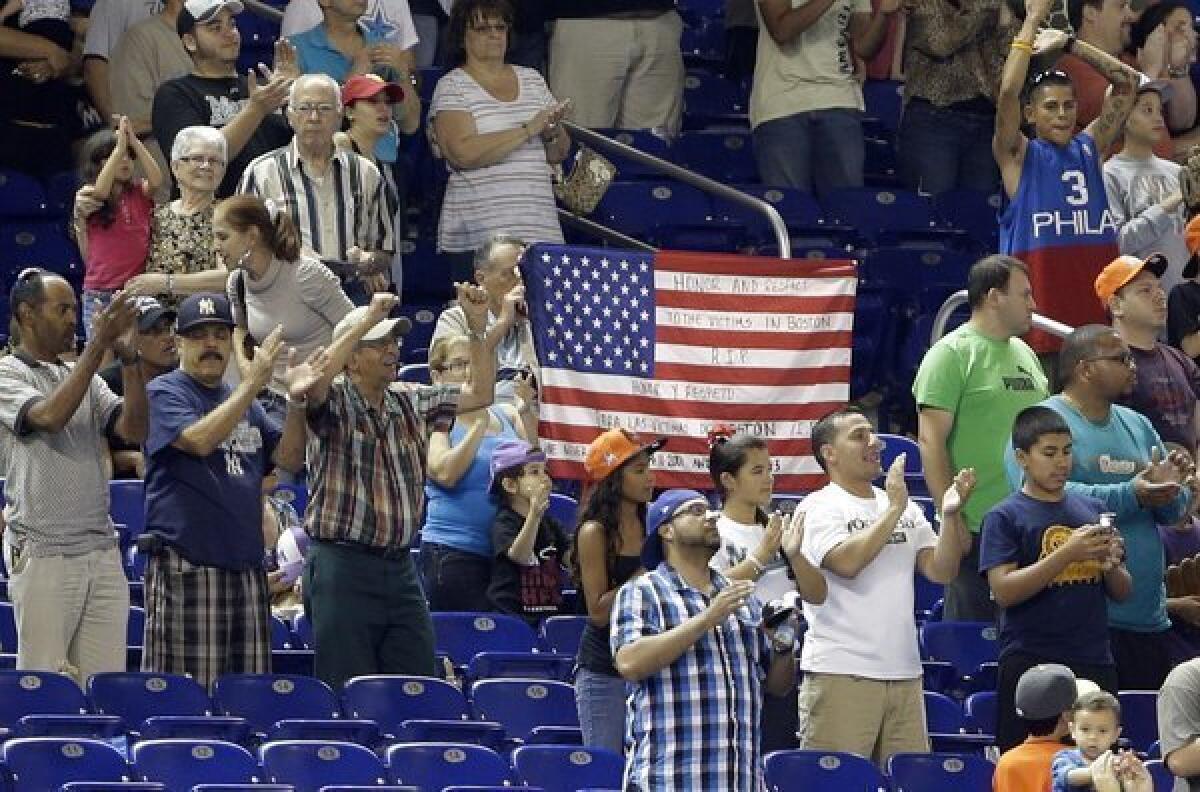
365,86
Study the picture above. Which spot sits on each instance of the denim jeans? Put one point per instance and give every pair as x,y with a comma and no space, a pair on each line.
820,150
455,580
600,699
942,149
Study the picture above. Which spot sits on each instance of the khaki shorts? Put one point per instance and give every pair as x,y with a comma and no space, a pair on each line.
870,717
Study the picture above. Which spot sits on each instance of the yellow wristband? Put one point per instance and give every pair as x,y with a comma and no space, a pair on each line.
1023,46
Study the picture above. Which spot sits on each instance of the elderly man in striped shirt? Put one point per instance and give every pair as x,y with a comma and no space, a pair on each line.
692,643
334,196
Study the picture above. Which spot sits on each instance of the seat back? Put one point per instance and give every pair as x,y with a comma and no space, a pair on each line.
563,633
912,772
463,635
39,764
182,764
390,700
1139,718
943,715
1164,780
804,771
37,692
522,705
264,699
438,764
566,768
137,695
309,765
965,645
982,711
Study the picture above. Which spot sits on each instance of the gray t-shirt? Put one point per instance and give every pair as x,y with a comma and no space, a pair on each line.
1135,188
57,485
1179,715
304,296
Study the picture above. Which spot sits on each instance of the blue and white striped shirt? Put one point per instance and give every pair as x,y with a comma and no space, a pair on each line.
694,725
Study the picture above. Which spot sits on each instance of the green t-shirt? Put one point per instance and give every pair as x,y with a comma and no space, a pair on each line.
984,383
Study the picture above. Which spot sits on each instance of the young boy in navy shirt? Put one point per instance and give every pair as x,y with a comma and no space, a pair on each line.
1050,566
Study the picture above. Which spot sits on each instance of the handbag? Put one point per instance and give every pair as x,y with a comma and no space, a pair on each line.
581,190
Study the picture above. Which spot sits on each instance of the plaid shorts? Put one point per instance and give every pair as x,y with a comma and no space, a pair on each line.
205,621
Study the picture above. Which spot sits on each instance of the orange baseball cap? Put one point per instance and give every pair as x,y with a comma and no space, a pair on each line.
612,449
1124,269
1191,238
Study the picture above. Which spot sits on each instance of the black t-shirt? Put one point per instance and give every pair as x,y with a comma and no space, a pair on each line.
576,9
530,592
1183,313
214,101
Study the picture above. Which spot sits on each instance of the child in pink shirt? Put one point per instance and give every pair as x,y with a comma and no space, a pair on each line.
116,238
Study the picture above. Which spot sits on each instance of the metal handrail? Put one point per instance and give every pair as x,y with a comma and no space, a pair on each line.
598,141
952,303
604,232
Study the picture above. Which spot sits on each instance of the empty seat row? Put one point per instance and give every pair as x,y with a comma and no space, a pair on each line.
42,764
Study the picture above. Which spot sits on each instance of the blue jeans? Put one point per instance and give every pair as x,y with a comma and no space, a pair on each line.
821,150
942,149
600,699
94,301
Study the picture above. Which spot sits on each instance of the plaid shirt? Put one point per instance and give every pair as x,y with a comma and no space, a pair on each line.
694,724
367,467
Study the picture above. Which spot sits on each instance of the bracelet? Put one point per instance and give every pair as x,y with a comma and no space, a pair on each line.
1023,46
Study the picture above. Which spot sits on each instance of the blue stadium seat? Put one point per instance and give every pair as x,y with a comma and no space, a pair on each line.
436,765
243,788
39,764
8,628
926,592
563,508
965,645
711,99
281,635
638,208
46,704
135,628
804,771
462,635
161,706
562,633
916,268
309,765
913,772
939,677
873,211
505,788
113,786
182,764
981,711
566,768
643,140
521,665
289,707
947,725
726,156
799,211
974,212
390,700
127,507
21,195
523,705
39,244
703,42
884,101
60,191
1139,721
1164,780
414,372
303,630
424,322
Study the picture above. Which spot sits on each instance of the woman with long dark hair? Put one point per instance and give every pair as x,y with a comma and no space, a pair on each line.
758,547
607,552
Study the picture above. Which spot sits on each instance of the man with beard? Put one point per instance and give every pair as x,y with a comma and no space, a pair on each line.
207,451
214,95
68,590
691,644
156,355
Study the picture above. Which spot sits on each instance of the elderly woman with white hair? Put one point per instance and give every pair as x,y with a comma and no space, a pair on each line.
183,258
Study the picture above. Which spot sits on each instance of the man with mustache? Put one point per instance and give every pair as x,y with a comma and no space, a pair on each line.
208,447
68,590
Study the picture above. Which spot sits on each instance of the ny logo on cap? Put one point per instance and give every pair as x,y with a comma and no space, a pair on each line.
207,307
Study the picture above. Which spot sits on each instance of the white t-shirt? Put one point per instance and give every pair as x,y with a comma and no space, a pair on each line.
865,626
738,540
391,17
814,71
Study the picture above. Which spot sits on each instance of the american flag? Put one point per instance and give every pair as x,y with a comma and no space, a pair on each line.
671,344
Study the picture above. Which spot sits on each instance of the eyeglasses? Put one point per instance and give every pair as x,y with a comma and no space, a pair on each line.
1125,358
198,161
307,108
490,27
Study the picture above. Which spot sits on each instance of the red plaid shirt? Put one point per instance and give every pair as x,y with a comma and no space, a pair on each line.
367,467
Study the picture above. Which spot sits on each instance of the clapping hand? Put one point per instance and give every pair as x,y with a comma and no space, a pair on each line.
270,95
115,327
257,370
958,492
301,378
793,535
728,600
1159,482
895,486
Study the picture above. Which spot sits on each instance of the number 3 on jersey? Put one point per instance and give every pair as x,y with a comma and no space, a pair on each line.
1077,187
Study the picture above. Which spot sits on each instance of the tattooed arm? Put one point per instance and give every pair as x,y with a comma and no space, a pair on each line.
1109,125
